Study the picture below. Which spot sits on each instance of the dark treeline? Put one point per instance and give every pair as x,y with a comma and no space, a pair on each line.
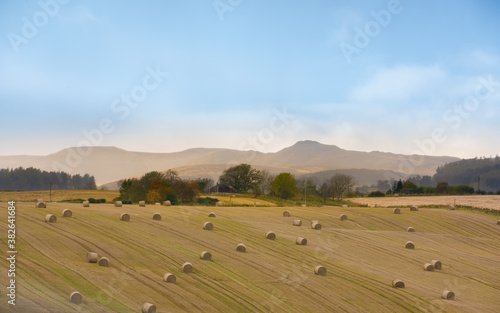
32,179
481,173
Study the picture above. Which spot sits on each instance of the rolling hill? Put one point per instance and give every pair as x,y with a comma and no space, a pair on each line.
362,256
108,164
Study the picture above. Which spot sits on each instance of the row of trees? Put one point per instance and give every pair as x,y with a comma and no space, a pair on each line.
245,179
409,187
157,187
32,179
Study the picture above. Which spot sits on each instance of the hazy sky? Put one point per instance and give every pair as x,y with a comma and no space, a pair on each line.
162,76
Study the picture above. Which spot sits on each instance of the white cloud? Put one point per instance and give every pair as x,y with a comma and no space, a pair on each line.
397,84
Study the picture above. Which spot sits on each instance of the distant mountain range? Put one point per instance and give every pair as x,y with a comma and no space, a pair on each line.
108,164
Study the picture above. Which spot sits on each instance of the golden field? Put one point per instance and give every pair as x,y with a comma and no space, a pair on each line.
362,256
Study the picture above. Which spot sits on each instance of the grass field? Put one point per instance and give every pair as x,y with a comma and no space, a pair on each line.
58,195
362,256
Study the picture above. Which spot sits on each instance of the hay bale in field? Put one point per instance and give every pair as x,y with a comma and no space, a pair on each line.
124,217
167,203
103,262
410,229
187,267
169,278
343,217
67,213
498,222
75,297
208,226
157,203
212,214
320,270
142,203
41,205
429,267
344,205
92,257
396,211
286,213
448,295
270,235
86,204
157,217
241,248
301,241
451,207
315,225
148,308
414,208
118,204
205,255
219,203
257,204
398,283
437,264
409,245
297,223
50,218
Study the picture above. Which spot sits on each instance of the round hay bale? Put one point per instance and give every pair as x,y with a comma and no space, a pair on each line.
410,229
86,204
396,211
320,270
50,218
409,245
92,257
142,203
301,241
125,217
270,235
429,267
148,308
315,225
103,262
157,203
157,217
206,256
398,283
41,205
498,222
344,205
208,226
169,278
257,204
219,203
187,267
241,248
67,213
414,208
297,223
451,207
167,203
343,217
75,297
437,264
118,204
448,295
286,213
212,214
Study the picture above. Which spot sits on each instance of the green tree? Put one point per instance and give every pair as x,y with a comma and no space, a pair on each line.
241,178
442,187
284,185
324,192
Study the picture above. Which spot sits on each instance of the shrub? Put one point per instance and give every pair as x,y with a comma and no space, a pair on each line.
376,194
207,201
92,200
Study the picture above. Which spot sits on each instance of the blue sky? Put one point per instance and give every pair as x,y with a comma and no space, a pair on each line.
397,76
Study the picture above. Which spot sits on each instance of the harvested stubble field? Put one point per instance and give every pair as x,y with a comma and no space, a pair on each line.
362,255
479,201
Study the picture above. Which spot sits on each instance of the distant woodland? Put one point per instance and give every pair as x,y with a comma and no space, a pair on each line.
31,179
482,174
